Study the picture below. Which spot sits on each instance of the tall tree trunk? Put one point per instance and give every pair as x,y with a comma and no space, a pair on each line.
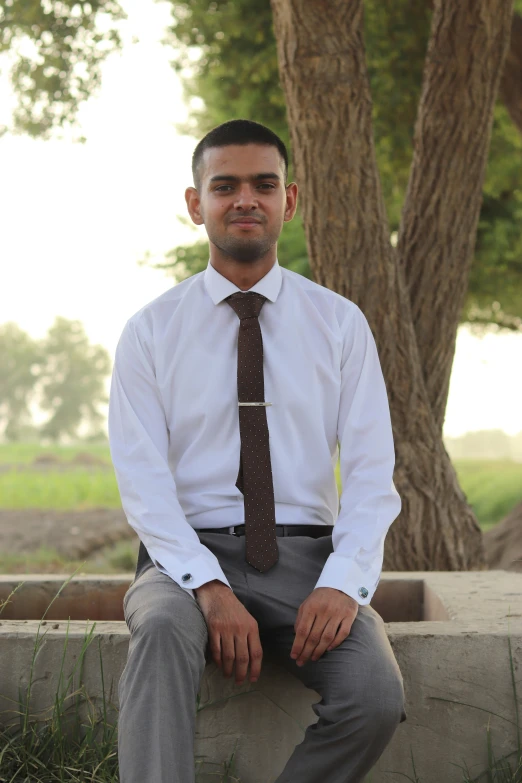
323,72
441,210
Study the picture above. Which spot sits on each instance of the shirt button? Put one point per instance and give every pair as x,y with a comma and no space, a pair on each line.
186,577
363,592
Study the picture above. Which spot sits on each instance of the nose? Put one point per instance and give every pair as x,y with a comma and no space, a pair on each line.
246,197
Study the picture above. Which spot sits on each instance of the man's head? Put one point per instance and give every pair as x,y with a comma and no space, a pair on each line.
240,133
240,195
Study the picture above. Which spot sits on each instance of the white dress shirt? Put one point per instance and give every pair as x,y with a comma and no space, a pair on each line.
174,425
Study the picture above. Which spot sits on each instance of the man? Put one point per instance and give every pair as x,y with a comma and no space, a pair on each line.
230,394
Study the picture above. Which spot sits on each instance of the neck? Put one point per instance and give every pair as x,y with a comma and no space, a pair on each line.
244,274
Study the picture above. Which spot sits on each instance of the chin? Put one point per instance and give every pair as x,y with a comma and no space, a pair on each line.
245,252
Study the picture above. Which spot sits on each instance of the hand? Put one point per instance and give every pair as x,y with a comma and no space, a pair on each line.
324,620
232,631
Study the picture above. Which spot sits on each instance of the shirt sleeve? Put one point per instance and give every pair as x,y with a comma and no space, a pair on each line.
369,501
138,439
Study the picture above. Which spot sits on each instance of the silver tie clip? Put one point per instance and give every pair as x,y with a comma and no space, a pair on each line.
254,403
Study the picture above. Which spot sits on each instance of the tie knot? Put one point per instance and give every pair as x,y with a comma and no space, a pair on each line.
247,304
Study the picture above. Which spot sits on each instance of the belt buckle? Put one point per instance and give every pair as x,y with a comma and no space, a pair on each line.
232,531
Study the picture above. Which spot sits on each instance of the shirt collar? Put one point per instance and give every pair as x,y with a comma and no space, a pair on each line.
219,287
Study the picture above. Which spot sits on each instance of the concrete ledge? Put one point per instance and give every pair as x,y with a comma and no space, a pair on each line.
449,632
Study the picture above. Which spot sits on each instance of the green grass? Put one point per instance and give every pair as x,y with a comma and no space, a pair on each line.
26,452
77,489
493,488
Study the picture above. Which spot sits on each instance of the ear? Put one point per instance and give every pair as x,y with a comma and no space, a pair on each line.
291,201
194,206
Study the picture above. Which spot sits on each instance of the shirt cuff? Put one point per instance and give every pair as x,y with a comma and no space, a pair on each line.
343,573
193,573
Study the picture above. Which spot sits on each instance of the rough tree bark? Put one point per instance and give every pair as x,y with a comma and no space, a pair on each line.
323,73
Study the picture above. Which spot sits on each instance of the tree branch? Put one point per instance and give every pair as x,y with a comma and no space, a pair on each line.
466,52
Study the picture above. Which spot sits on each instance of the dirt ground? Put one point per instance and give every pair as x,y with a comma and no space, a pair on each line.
73,534
78,534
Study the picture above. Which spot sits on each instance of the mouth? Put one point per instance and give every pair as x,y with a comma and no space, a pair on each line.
246,222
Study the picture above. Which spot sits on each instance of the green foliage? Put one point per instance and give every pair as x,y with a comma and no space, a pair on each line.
396,38
495,289
230,64
62,373
56,48
237,73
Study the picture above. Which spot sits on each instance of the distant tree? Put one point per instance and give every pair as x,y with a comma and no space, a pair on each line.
72,381
21,364
61,374
55,48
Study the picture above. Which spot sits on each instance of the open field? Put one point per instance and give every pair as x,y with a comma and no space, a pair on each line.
60,507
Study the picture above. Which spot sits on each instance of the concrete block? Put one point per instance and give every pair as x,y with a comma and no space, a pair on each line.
449,632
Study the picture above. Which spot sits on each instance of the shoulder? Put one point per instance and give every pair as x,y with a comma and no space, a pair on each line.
326,300
163,306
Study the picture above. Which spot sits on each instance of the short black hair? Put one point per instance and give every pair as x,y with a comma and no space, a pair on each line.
240,132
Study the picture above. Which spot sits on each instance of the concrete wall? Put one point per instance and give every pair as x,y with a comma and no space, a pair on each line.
449,632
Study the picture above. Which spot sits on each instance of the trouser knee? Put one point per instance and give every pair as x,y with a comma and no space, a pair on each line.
384,707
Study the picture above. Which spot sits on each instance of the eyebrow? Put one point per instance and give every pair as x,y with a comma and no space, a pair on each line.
230,178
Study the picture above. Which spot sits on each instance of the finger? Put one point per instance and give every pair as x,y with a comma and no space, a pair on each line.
342,633
228,654
329,634
256,655
242,658
314,637
214,644
302,628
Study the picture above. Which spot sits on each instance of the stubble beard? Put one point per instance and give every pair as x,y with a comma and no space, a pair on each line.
245,250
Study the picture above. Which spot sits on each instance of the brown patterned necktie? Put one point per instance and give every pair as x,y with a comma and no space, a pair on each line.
255,472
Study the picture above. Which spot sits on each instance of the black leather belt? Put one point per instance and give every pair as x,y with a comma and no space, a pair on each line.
314,531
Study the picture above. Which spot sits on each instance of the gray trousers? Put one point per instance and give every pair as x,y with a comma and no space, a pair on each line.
359,681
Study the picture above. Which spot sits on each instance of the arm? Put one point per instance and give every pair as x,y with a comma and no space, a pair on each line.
369,500
138,438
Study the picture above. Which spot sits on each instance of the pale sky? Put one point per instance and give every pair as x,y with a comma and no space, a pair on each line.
76,219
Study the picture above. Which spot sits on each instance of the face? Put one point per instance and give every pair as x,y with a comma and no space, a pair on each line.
242,200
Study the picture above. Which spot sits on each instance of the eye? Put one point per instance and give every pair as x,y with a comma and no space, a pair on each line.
268,185
223,187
